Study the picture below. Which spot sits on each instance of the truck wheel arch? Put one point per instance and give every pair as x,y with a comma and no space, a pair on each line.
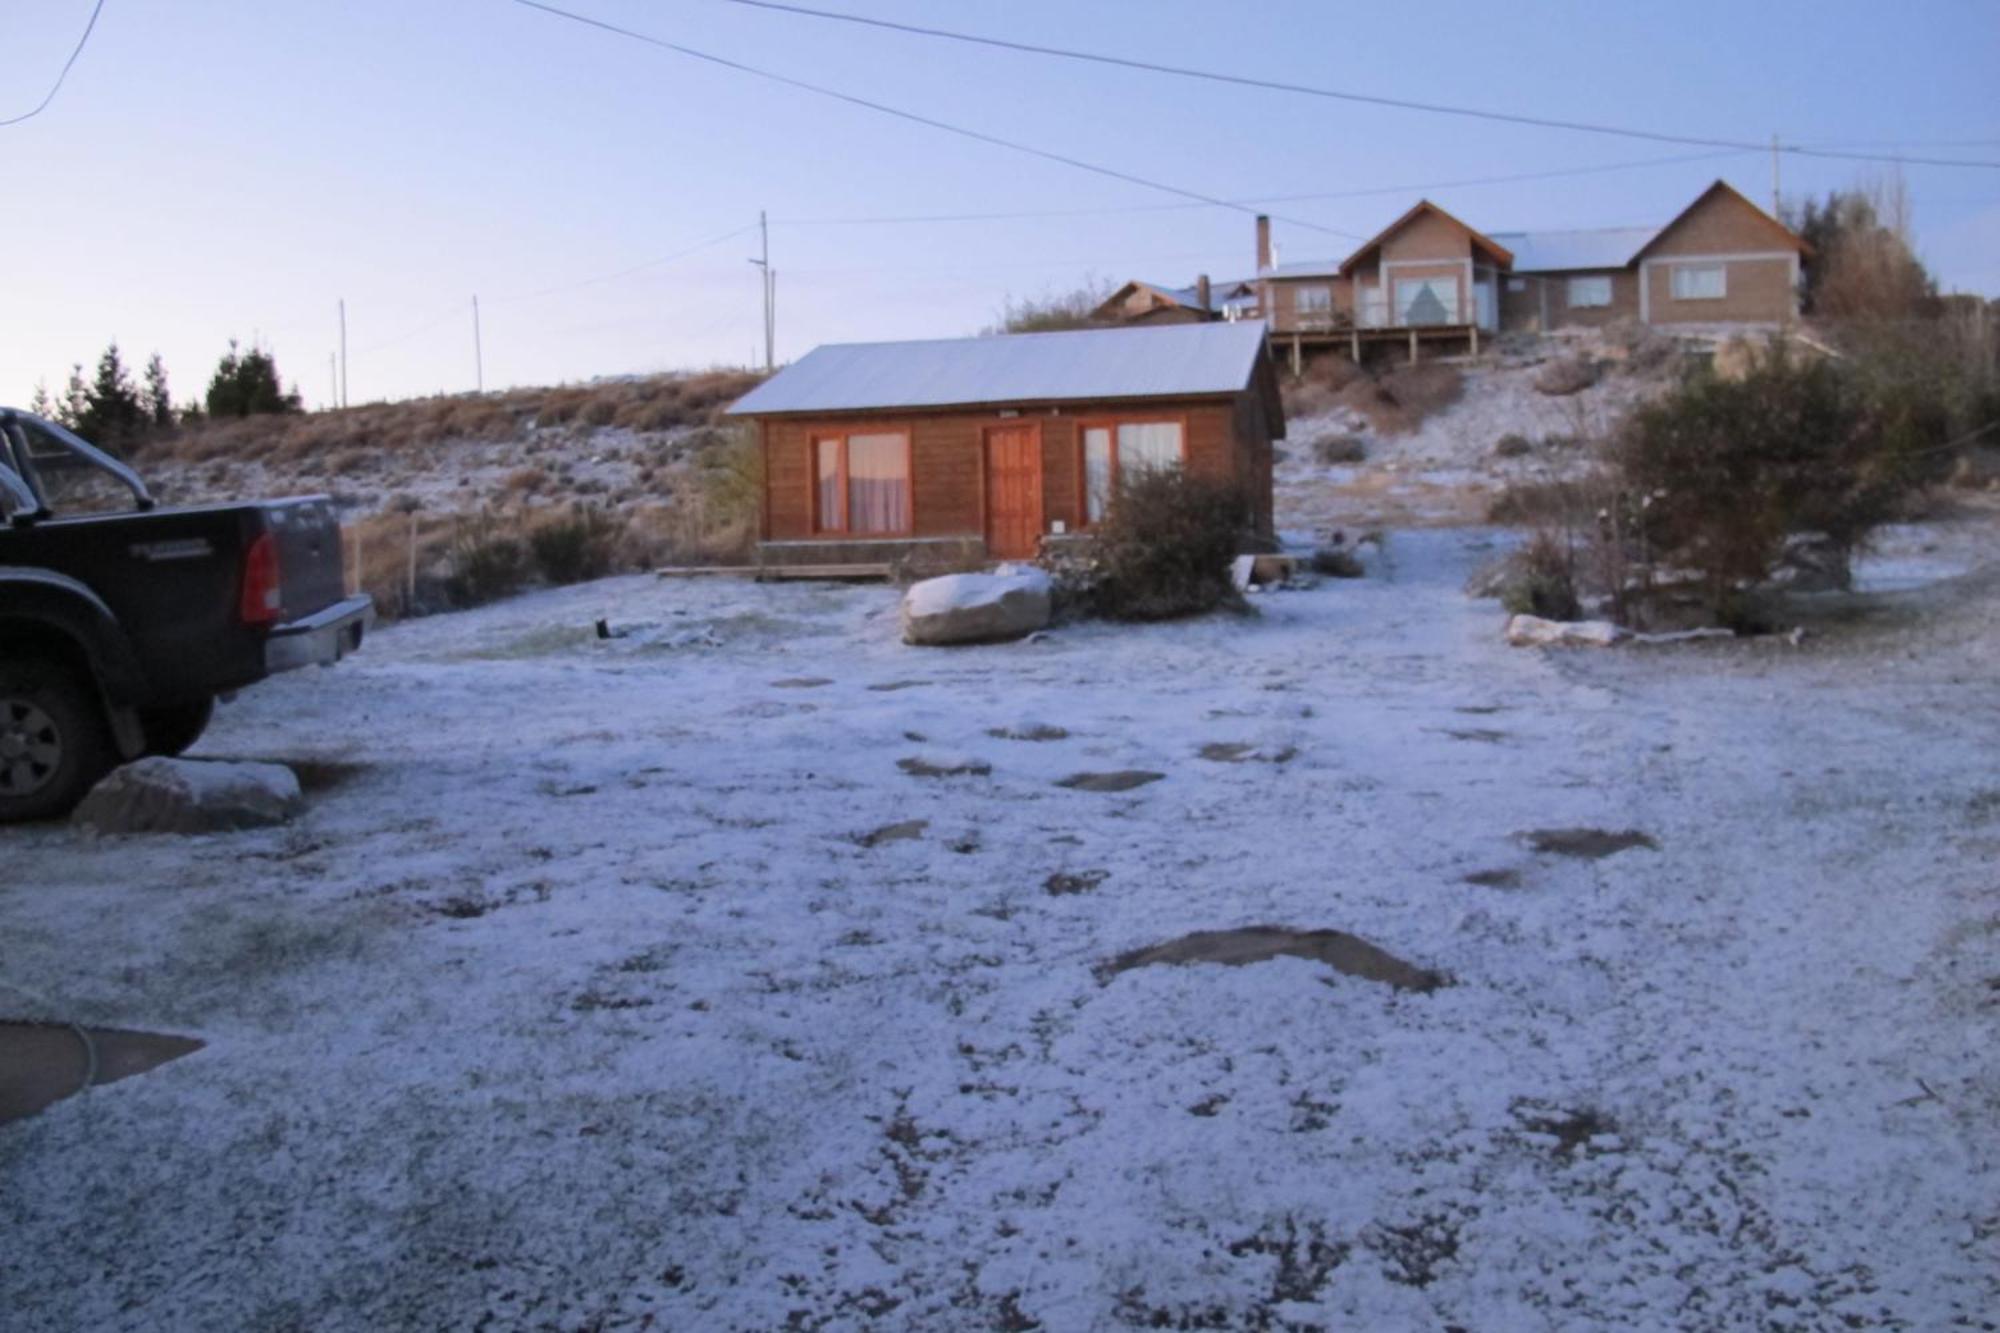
49,615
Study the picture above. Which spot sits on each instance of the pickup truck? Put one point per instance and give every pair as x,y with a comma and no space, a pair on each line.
119,629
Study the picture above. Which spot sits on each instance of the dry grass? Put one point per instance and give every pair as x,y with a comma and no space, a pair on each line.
654,404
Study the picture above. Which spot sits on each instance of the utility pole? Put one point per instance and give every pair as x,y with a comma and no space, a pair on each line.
1775,205
478,354
770,303
343,351
333,379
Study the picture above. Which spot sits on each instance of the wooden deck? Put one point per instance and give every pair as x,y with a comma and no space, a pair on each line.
1353,339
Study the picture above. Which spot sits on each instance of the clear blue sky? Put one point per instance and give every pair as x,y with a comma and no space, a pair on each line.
219,168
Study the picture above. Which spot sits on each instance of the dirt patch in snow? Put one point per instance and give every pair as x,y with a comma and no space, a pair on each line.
1125,779
1350,955
46,1062
1591,843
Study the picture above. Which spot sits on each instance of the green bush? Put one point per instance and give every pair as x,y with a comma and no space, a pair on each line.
486,562
1721,472
1166,546
578,547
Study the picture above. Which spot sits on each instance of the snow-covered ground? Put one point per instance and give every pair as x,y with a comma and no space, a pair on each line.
581,998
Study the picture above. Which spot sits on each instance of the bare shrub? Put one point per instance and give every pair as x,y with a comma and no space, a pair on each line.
1513,445
1054,310
1570,374
486,561
1165,548
1398,401
1332,449
1540,577
576,547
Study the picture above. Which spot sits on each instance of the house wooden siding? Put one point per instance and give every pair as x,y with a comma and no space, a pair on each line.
1223,437
1543,302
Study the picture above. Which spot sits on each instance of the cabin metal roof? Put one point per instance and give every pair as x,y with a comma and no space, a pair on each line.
1084,365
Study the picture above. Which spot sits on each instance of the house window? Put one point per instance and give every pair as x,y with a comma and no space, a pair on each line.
1700,282
1517,284
1315,300
1585,293
1110,449
861,483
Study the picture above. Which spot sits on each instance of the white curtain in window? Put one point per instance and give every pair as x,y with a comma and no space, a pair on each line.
1700,283
1427,300
826,484
1096,471
878,483
1148,444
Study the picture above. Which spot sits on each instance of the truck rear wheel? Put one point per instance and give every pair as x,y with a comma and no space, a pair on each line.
171,730
54,742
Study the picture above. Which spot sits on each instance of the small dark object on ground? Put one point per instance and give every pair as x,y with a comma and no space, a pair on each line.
1338,562
1513,445
1064,883
1330,449
1495,879
1592,843
1570,1129
1122,780
903,832
1347,954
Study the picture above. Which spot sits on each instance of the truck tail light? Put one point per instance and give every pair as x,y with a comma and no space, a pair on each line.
262,594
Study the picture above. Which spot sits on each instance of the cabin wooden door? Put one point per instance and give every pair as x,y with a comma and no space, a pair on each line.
1013,492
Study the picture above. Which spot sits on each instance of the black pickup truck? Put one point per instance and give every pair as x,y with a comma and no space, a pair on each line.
118,630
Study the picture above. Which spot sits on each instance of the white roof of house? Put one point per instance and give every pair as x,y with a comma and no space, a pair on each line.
1148,361
1554,251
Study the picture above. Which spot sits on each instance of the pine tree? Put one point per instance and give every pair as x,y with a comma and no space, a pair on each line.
43,404
75,402
158,402
113,414
247,383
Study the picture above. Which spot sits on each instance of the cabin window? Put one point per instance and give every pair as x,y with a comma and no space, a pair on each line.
1585,293
1700,282
1114,447
1315,300
861,483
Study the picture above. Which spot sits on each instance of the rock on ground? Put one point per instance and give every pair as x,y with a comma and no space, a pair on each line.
161,795
1525,631
977,608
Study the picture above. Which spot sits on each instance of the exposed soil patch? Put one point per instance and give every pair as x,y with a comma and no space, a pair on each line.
904,832
1062,884
1570,1129
800,683
884,687
41,1063
1033,731
1242,752
1591,843
1124,779
1347,954
1486,734
920,766
1495,879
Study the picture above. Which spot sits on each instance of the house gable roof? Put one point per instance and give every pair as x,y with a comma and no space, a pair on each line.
1083,365
1494,250
1568,251
1780,232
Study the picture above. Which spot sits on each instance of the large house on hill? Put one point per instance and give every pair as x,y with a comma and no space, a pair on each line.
1429,276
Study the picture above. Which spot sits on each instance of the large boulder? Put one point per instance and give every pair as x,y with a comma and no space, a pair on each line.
1009,603
161,795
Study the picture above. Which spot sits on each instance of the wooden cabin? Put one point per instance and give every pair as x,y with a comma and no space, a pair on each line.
957,452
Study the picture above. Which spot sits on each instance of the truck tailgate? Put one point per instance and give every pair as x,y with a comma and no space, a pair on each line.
312,573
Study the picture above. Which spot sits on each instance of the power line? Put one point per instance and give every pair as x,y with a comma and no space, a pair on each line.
1266,199
917,118
42,105
1336,94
